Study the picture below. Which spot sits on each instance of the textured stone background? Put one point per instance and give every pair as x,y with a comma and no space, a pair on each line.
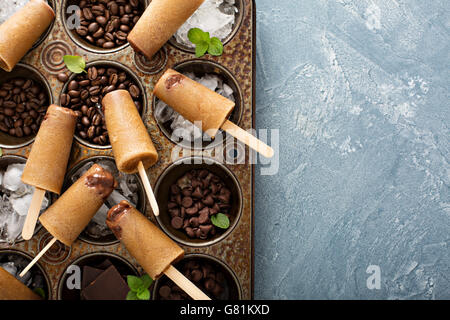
359,91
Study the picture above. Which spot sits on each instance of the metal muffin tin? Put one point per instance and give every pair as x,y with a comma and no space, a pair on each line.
235,249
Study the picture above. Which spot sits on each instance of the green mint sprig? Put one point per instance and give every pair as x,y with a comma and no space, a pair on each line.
40,292
139,287
1,152
204,43
76,64
220,220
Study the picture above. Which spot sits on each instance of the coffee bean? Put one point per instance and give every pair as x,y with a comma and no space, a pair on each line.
91,132
27,131
92,73
134,91
87,14
73,85
85,121
8,111
82,31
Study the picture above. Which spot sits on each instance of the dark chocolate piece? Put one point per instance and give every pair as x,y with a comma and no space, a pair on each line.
109,285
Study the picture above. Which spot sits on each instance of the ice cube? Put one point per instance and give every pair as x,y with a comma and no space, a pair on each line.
11,178
22,203
101,215
109,166
115,197
163,112
1,177
209,81
10,267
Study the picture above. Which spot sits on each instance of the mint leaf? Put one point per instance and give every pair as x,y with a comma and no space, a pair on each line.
215,47
134,283
196,35
146,281
1,152
76,64
204,43
144,295
201,48
220,220
40,292
132,296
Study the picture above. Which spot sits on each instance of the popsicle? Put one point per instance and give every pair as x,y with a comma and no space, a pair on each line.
158,23
132,146
22,30
152,249
71,213
13,289
201,105
47,163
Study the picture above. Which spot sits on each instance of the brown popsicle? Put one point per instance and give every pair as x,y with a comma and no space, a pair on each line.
71,213
158,23
47,162
152,249
13,289
22,30
204,107
129,138
132,146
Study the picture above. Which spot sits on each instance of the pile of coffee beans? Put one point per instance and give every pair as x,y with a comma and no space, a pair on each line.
212,282
195,197
106,23
84,95
23,104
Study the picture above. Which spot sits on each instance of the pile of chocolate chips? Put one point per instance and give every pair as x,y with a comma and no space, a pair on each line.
212,282
195,197
23,104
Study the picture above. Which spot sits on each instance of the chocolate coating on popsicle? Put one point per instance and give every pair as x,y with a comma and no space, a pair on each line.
101,181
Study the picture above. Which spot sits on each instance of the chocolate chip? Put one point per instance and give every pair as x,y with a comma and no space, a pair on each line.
177,222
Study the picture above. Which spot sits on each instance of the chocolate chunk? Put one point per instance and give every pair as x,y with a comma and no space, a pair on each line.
89,275
109,285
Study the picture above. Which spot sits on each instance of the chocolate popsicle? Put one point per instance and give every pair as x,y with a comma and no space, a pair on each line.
129,138
204,108
152,249
13,289
22,30
47,162
132,146
158,23
71,213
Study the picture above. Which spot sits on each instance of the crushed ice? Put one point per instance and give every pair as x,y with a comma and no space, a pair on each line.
15,201
214,16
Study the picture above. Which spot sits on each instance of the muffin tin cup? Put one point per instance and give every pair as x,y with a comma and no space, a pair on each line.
120,67
234,287
65,4
239,17
28,72
175,171
90,259
201,67
37,266
141,206
5,161
235,249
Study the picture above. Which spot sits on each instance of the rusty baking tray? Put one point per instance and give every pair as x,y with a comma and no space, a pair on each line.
234,251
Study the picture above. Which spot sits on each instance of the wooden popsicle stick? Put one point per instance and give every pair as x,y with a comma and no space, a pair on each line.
148,189
248,139
185,284
36,259
33,214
